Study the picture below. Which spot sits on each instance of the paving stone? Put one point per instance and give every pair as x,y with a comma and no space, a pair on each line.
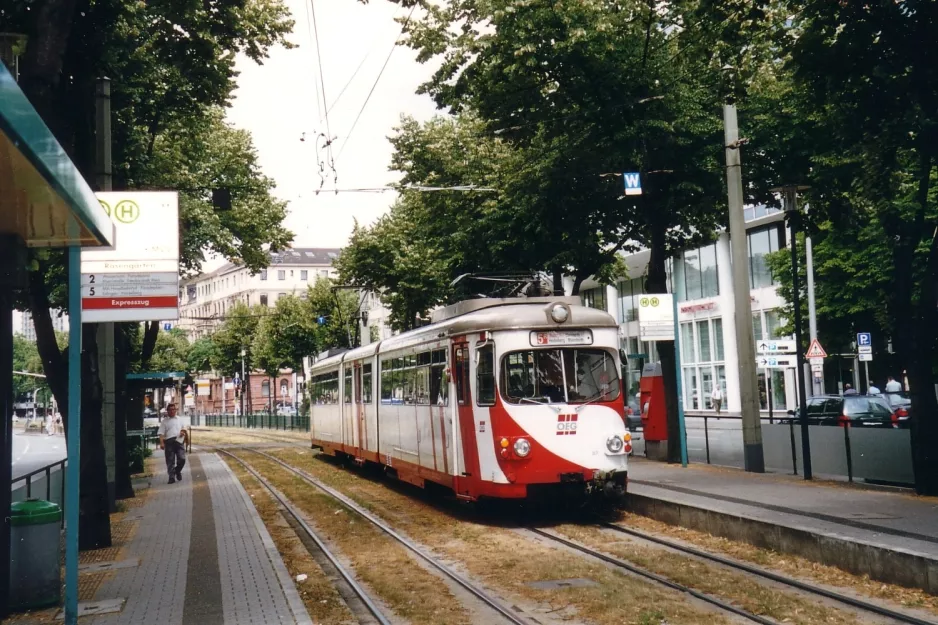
96,567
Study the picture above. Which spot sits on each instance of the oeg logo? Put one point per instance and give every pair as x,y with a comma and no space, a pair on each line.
126,211
566,424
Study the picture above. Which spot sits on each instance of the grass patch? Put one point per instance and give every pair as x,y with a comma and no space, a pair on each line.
409,590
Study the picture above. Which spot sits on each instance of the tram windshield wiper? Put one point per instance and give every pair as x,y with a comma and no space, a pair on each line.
540,403
588,402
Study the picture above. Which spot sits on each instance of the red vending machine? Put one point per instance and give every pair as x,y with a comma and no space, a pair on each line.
654,412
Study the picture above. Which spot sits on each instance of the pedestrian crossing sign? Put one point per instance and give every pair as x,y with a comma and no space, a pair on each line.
815,350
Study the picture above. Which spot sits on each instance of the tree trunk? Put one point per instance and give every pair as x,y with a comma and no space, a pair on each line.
577,283
921,373
657,282
94,521
558,280
54,362
123,486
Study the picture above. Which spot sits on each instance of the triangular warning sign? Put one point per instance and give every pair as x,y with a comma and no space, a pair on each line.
815,350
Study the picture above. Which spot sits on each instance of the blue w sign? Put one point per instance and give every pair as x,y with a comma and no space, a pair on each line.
633,183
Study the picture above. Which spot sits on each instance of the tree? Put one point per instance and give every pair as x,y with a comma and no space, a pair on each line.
234,338
171,352
202,353
340,311
170,62
585,91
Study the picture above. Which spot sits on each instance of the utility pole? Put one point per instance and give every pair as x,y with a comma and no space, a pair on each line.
790,193
244,383
105,331
753,459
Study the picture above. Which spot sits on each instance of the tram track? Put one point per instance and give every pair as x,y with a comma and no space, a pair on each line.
476,591
369,604
852,602
659,579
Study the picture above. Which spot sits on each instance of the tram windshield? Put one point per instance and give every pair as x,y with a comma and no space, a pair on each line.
565,375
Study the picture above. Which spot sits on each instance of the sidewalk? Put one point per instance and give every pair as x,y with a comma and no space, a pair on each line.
851,526
198,554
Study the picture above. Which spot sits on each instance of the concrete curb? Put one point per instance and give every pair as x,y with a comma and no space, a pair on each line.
886,564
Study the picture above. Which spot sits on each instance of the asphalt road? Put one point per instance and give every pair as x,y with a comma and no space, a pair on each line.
34,451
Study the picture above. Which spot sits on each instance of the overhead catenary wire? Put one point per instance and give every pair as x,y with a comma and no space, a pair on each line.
375,84
322,80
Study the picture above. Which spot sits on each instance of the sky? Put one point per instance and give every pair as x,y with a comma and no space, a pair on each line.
277,102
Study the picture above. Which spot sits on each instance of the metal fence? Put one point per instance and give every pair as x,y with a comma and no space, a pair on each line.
858,453
46,483
259,421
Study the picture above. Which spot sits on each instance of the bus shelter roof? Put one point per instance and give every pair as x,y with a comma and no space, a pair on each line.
44,200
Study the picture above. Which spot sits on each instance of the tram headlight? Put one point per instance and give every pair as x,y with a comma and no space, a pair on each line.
522,447
614,444
559,313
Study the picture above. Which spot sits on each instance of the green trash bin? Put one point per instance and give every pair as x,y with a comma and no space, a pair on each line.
35,579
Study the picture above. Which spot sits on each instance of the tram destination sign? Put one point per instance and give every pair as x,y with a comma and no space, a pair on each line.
562,337
656,317
137,280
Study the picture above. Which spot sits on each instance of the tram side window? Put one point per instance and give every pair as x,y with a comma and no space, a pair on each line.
347,390
422,388
462,375
408,382
485,376
366,384
387,381
439,389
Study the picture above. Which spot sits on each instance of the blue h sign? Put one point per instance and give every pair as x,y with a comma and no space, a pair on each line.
864,339
633,183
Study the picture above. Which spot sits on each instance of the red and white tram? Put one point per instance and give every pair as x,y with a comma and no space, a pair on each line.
502,398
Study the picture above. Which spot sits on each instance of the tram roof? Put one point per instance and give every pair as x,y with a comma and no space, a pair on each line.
518,314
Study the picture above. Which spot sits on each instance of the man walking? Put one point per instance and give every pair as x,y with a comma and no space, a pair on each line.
717,398
172,439
893,386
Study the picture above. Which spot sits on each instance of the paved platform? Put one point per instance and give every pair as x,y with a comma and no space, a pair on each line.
859,528
205,557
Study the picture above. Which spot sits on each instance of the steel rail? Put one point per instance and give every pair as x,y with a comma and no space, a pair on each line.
655,577
406,542
349,579
781,579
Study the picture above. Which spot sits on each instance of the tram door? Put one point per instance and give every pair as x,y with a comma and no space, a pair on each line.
467,471
359,412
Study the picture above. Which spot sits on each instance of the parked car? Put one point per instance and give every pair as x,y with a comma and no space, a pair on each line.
853,410
901,404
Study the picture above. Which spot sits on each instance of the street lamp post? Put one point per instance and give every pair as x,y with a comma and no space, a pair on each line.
244,382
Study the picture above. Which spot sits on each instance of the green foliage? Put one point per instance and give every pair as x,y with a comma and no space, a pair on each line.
202,353
26,358
235,336
284,336
171,352
340,308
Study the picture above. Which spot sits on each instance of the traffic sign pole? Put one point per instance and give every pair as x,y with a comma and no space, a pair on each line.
680,389
791,211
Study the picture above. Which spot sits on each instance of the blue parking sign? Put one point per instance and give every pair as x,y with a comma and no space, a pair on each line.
864,339
167,326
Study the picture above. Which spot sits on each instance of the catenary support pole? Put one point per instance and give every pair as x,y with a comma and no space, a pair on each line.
753,459
791,208
72,471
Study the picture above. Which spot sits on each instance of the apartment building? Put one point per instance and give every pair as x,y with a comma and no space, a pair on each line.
206,299
23,323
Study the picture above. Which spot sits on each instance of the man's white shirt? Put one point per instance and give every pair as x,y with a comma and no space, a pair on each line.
893,386
170,427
